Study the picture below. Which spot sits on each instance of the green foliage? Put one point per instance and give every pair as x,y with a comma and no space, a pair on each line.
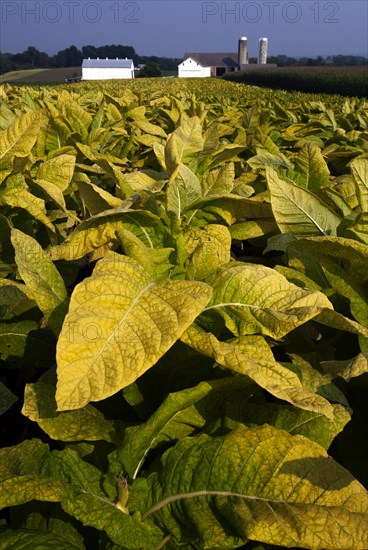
149,70
347,81
183,318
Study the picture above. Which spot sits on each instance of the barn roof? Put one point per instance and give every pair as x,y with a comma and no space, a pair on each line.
107,63
222,59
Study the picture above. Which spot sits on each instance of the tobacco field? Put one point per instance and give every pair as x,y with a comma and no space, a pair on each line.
183,317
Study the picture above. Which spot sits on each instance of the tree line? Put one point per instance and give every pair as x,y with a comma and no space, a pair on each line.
32,58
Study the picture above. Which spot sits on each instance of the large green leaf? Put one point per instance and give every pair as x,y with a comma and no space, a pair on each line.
86,424
168,423
155,260
276,160
21,478
118,325
32,539
86,501
313,425
261,484
77,118
23,343
14,336
297,210
127,531
180,415
35,521
41,277
352,254
254,299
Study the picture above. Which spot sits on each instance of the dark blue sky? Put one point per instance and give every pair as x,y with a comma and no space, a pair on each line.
172,27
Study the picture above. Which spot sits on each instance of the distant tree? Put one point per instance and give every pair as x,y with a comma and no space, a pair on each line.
32,57
311,62
111,52
6,64
272,59
70,57
150,70
89,51
166,63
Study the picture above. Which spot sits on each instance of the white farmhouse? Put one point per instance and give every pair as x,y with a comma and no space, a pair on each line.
104,69
207,64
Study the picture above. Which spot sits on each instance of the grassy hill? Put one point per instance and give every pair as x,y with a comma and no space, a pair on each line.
41,76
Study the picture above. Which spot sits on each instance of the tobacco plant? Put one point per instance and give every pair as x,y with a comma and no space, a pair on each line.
184,328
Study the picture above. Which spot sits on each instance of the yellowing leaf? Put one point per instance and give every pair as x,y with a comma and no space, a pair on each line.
154,260
16,194
42,279
119,324
126,531
297,210
256,361
58,171
100,230
14,295
258,483
52,191
311,168
183,144
95,198
254,299
19,138
149,128
24,488
87,424
359,170
20,475
253,228
183,190
31,538
311,424
355,254
207,248
347,369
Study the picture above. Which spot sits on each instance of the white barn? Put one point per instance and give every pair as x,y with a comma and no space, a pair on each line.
207,64
104,69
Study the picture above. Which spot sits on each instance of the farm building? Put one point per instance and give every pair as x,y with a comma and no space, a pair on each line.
103,69
207,64
217,64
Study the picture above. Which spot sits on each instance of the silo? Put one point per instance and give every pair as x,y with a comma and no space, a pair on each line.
263,44
242,51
